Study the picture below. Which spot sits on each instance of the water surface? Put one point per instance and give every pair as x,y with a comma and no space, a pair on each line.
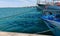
24,20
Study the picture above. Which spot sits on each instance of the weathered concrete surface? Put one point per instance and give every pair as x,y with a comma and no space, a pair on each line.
19,34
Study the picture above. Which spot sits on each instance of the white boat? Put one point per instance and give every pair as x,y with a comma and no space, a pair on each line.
46,5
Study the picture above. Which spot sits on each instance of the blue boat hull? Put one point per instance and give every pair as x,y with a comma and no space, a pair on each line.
54,27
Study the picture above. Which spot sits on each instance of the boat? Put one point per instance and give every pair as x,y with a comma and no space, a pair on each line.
53,5
53,24
51,15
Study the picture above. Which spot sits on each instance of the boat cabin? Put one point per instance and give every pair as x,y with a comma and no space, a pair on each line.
57,3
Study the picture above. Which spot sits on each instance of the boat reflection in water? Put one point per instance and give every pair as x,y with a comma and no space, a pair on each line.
51,15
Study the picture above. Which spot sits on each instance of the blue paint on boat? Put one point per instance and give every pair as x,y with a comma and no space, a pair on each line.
53,24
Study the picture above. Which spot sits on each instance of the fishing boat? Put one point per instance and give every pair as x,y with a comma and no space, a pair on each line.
51,15
46,5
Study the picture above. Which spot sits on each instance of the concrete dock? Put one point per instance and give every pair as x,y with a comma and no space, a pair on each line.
19,34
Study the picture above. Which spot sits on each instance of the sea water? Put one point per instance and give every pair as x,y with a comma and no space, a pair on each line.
23,20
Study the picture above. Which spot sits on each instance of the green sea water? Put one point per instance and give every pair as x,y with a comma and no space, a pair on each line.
22,20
